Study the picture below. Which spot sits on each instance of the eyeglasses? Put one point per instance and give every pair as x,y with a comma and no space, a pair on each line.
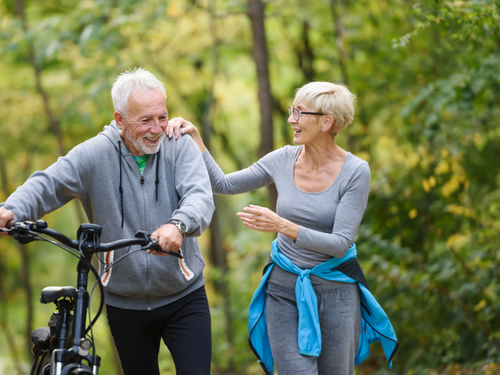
297,113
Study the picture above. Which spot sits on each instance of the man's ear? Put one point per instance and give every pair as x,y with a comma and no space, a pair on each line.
120,120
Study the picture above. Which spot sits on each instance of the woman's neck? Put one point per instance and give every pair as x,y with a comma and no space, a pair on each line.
321,153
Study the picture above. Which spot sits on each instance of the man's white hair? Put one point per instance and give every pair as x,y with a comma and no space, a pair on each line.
130,81
330,99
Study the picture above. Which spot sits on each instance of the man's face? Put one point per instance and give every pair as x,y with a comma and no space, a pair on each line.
144,129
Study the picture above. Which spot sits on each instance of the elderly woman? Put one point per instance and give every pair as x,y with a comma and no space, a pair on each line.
307,313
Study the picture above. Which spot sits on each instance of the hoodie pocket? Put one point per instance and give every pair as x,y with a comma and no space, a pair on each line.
107,261
170,275
129,272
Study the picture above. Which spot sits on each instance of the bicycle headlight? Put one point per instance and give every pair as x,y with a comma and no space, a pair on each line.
85,344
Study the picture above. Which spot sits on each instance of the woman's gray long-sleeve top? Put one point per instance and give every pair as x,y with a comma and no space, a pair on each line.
328,220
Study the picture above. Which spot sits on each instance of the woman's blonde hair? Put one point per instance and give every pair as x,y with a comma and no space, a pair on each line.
330,99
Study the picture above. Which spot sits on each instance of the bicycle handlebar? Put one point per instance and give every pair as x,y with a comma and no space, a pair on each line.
23,233
88,242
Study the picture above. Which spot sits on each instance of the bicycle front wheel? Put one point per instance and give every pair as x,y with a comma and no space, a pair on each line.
43,367
76,369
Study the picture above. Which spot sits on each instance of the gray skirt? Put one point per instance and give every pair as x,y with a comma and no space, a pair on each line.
340,320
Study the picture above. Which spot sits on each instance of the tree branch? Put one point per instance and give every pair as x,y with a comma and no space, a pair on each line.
54,123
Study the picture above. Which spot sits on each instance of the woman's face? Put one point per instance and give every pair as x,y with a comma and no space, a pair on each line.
307,130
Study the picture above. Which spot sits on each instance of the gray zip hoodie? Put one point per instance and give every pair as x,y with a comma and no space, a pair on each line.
104,176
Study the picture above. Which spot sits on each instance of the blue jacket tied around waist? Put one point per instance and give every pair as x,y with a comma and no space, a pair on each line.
375,325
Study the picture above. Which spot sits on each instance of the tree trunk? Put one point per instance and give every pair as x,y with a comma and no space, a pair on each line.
4,326
337,7
4,316
55,128
54,123
217,253
266,100
29,294
25,270
3,177
305,54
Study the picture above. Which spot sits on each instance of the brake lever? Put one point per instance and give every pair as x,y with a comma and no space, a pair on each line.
21,232
155,246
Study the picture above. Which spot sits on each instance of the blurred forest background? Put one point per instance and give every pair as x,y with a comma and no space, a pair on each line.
427,77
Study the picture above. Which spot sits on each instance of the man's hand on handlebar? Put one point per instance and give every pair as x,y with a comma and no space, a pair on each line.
6,220
169,238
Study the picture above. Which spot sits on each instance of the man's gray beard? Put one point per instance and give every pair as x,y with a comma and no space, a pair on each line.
141,146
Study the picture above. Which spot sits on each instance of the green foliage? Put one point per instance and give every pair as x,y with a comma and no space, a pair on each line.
426,76
437,204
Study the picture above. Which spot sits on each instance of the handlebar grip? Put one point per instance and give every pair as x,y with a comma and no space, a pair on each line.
7,228
155,246
177,254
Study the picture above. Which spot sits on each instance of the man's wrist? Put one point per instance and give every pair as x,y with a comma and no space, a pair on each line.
181,227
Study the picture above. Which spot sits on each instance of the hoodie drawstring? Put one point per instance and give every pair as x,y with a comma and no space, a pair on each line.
120,188
157,181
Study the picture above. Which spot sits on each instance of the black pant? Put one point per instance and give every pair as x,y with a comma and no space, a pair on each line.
184,326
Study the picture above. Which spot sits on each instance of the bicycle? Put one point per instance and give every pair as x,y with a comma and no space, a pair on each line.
63,348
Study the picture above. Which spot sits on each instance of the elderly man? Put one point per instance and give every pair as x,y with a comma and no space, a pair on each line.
131,177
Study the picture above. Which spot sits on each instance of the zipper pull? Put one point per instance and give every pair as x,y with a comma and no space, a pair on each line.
142,180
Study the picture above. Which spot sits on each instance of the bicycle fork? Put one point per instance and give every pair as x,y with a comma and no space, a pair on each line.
59,368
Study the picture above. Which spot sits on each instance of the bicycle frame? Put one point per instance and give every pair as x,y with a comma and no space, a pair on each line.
77,347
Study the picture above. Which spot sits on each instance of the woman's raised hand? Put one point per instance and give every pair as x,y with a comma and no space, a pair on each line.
263,219
178,126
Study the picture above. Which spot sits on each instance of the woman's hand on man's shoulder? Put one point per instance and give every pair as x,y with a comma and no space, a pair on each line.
178,126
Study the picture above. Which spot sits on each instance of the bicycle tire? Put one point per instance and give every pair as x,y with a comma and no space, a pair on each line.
76,369
43,367
81,372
